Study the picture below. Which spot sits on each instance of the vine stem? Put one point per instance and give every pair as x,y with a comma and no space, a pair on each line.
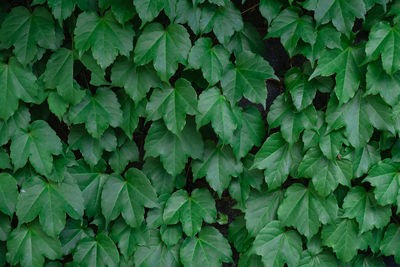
250,8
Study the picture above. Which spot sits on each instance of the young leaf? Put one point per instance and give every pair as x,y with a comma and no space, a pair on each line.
38,143
218,165
29,245
277,246
247,78
165,47
172,104
209,248
104,36
97,112
50,202
191,211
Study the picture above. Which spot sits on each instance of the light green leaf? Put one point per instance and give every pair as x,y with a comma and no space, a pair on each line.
38,143
247,78
104,36
210,248
172,104
97,112
29,245
165,47
218,165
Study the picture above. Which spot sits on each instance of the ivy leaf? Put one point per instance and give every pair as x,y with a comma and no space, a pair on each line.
156,253
136,81
8,193
97,112
290,28
50,202
73,232
29,245
172,104
343,238
148,9
128,197
27,32
277,246
17,82
214,108
247,39
90,181
223,21
362,206
269,9
130,113
212,60
345,64
237,234
165,47
59,74
384,176
120,158
390,240
104,36
326,174
62,9
91,148
38,143
382,41
57,105
364,158
342,13
379,82
218,165
247,78
190,211
278,159
174,150
98,251
304,209
261,209
251,133
209,248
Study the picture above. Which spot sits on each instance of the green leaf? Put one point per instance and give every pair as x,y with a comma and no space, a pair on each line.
191,210
379,82
104,36
223,21
362,206
305,210
17,82
218,165
90,181
291,28
345,64
165,47
214,108
210,248
343,238
38,143
248,39
326,174
172,104
171,234
237,234
136,81
59,74
321,259
261,209
247,78
8,193
148,9
278,159
91,148
62,9
277,246
73,232
130,113
162,181
50,202
57,105
382,41
385,177
29,245
97,112
99,251
389,244
28,32
212,60
174,150
128,197
120,158
364,158
269,9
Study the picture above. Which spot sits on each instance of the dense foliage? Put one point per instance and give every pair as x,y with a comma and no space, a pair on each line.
142,132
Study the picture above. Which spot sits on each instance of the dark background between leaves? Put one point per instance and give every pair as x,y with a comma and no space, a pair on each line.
277,57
